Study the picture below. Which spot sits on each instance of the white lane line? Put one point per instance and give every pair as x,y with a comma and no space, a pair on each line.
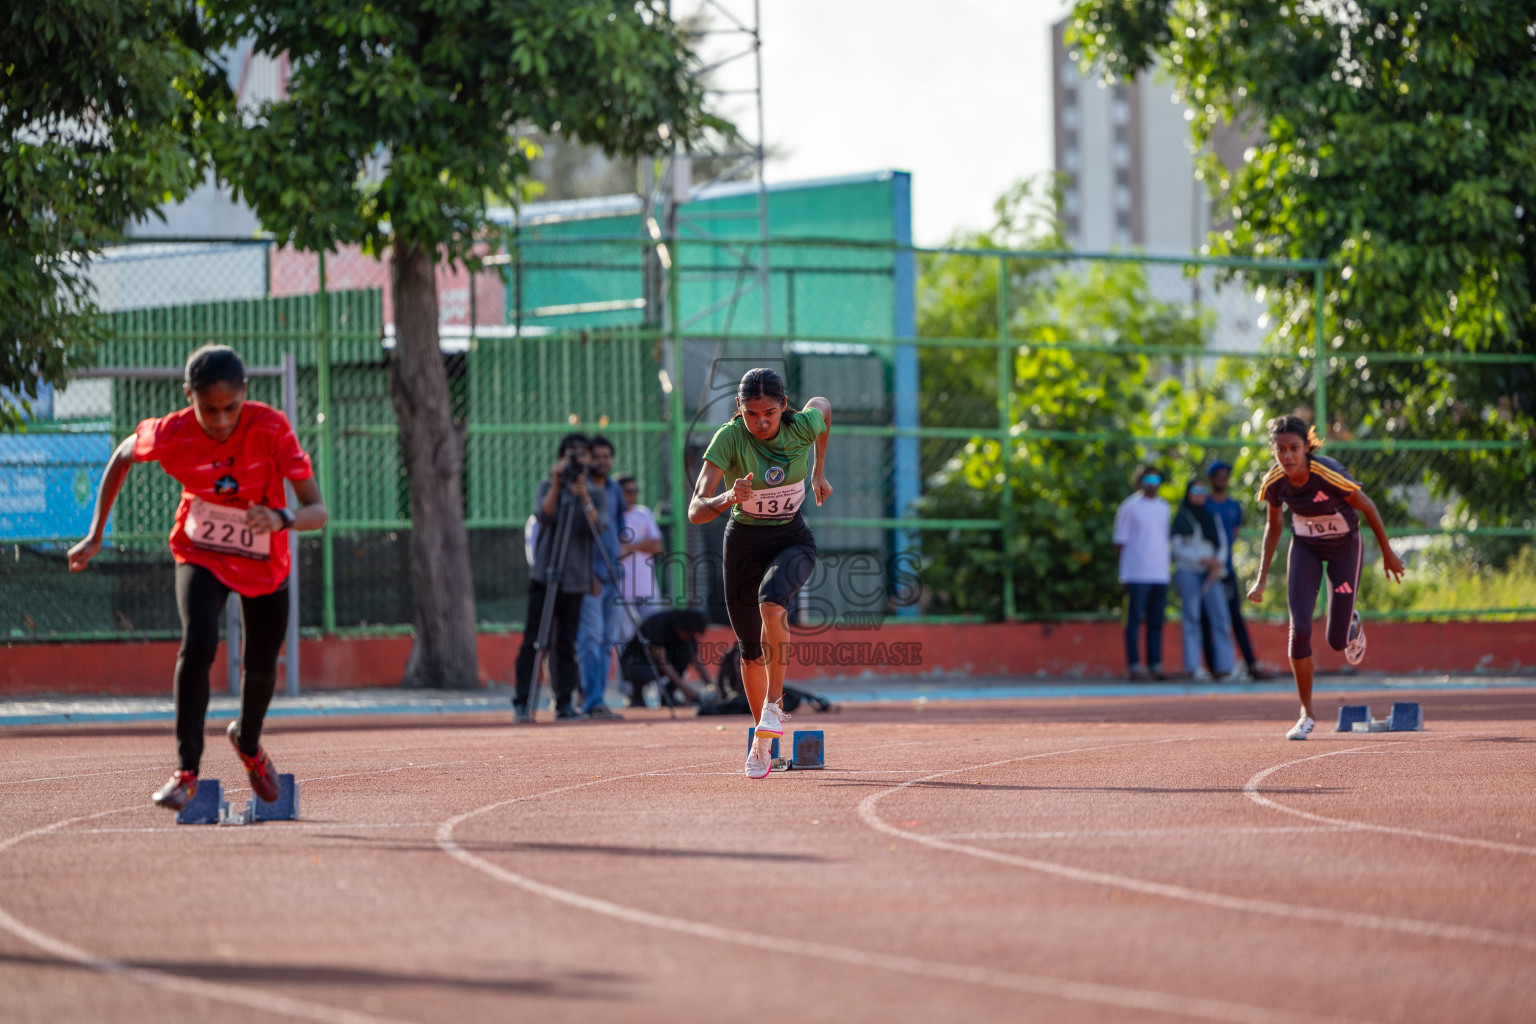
1192,830
266,1002
81,775
1294,911
1251,791
1119,996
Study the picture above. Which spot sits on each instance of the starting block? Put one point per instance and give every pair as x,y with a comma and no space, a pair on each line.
210,808
1406,716
1349,714
808,747
204,808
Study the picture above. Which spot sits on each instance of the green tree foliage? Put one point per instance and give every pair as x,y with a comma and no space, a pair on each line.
101,103
399,125
1064,491
1398,142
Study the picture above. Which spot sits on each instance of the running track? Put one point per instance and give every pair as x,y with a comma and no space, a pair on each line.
1086,860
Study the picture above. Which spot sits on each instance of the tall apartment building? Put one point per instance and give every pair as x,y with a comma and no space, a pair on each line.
1129,182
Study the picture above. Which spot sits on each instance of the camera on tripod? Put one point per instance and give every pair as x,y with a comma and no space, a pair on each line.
573,472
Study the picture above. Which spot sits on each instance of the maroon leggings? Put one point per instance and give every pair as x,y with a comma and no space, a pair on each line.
1304,574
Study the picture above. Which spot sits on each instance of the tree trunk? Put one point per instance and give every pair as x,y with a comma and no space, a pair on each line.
443,656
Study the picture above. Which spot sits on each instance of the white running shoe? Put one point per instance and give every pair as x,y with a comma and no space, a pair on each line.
1354,651
760,759
1199,675
1302,729
772,722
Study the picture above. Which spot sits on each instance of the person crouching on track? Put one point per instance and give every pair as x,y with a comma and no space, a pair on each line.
231,457
1325,531
769,552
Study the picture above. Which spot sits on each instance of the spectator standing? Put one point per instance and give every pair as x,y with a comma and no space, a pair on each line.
1142,542
1218,476
639,544
600,609
576,579
1199,543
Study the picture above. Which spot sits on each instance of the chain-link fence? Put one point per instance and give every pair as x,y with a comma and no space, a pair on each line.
989,411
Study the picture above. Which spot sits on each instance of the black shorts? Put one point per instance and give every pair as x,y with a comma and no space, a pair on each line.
764,563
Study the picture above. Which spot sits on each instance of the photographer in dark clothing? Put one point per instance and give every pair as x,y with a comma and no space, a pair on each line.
566,486
673,639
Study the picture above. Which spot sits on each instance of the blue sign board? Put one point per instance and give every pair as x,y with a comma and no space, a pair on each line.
48,484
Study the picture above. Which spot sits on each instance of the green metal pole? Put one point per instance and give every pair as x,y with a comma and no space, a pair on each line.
679,436
1320,406
327,453
1004,431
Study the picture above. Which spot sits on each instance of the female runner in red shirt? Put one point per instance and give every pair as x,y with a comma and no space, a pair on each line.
230,456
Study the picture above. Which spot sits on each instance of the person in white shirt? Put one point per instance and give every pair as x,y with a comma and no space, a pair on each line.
1141,541
1199,563
639,544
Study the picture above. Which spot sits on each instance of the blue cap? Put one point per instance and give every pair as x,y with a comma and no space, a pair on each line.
1218,464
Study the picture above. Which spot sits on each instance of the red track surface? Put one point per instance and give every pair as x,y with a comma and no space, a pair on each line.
1039,861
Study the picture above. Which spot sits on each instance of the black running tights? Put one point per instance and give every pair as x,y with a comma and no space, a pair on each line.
200,599
1304,575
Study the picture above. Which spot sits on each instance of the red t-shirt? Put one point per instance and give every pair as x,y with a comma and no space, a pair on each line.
246,470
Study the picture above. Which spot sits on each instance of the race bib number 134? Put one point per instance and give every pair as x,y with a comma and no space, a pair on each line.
775,502
222,528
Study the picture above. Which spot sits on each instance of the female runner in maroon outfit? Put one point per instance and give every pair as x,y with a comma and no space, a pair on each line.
1325,503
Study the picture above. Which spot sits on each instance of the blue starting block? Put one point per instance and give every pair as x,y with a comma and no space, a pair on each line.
284,808
209,807
203,808
1349,714
1407,716
810,749
752,738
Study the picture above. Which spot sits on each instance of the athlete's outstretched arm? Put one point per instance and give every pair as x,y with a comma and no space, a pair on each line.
1362,502
1272,530
706,504
111,484
819,481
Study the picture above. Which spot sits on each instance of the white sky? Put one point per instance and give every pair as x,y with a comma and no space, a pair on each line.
958,92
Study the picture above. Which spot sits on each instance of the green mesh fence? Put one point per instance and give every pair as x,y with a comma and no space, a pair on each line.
986,491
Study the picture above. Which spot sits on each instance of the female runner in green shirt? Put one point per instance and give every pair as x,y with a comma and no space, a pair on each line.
769,550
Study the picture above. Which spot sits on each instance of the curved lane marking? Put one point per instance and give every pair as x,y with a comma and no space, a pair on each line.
1078,991
1294,911
266,1002
1251,791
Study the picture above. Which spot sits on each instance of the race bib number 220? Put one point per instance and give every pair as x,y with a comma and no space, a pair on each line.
222,528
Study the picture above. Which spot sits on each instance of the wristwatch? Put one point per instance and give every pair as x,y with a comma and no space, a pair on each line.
286,516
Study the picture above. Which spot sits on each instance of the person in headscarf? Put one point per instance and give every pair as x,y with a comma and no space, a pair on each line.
1199,543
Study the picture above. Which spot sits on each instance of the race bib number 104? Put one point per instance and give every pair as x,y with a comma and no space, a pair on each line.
222,528
1319,526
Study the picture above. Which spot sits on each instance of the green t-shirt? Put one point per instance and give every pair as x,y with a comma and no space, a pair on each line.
774,465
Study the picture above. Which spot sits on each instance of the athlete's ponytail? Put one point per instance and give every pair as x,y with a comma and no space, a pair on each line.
761,382
1298,426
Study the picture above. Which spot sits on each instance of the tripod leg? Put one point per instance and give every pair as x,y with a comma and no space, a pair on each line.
552,578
